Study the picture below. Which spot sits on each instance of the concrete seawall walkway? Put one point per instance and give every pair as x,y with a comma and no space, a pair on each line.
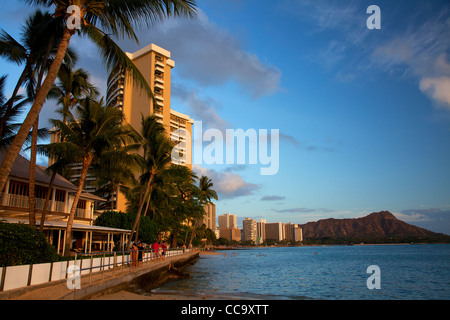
108,282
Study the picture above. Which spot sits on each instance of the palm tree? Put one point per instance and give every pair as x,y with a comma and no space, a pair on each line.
40,36
72,86
99,20
184,202
206,194
94,131
8,115
115,172
157,156
57,167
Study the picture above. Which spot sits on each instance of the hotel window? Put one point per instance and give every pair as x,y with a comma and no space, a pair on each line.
60,196
81,209
18,188
81,204
41,192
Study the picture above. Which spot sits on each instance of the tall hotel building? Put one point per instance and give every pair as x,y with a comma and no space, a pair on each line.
293,232
209,219
275,231
228,227
227,221
260,231
156,66
283,231
250,229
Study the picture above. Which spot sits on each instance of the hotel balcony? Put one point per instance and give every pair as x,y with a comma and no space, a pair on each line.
19,205
159,79
158,85
159,63
159,97
158,68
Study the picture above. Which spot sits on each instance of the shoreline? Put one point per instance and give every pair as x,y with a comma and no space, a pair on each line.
127,295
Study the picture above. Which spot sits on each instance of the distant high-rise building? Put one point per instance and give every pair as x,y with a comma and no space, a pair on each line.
249,227
293,232
209,219
227,221
260,231
274,231
230,234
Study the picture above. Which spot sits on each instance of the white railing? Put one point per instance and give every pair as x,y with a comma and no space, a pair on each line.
23,202
17,201
80,213
28,275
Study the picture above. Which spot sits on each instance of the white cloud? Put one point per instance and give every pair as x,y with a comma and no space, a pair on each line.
227,185
433,219
210,55
202,108
438,89
413,217
420,52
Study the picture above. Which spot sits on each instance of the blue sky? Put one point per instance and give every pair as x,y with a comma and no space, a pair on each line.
364,115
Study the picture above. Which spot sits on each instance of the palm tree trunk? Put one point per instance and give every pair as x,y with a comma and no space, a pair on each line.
145,212
16,145
47,200
86,164
174,238
193,232
148,200
32,182
138,214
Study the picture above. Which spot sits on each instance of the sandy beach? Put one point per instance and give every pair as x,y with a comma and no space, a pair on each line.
209,253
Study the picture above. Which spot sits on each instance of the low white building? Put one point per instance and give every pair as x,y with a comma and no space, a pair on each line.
14,208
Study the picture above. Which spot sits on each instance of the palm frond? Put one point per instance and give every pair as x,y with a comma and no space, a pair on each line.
113,56
12,50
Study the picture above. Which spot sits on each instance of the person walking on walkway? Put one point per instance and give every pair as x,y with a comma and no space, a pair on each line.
156,250
140,253
134,253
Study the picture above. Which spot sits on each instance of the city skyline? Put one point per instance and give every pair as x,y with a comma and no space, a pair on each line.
364,115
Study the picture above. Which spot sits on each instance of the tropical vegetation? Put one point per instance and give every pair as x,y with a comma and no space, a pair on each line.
91,132
100,21
22,244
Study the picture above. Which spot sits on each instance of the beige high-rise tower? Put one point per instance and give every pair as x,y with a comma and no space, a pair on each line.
156,66
250,229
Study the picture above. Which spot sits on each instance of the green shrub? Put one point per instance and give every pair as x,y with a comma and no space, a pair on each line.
20,244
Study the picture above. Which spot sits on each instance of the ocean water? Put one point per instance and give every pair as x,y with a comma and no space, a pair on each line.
406,272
